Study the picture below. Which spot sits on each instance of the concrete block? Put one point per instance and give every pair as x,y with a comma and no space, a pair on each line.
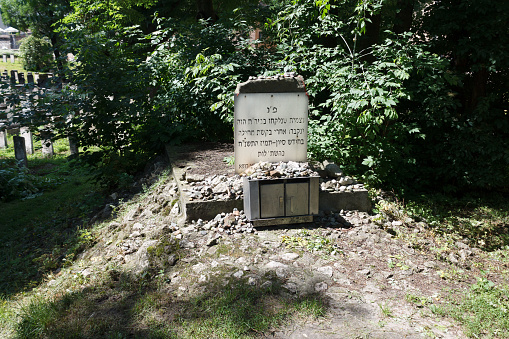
337,201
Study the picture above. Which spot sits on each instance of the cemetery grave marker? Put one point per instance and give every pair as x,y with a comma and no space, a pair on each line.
271,120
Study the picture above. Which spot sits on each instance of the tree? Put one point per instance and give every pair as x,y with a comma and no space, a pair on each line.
40,16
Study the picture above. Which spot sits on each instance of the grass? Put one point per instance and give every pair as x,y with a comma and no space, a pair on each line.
11,66
480,220
131,308
57,213
484,310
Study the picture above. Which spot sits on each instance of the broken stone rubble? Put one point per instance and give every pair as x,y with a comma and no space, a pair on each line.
221,187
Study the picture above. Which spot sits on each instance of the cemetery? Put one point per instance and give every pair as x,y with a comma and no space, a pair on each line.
276,169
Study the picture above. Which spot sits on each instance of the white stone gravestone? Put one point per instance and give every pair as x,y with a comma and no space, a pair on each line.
3,139
271,120
27,135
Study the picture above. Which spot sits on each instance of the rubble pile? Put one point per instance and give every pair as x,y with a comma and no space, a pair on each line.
221,187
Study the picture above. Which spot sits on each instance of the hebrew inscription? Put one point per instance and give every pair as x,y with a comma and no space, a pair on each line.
270,127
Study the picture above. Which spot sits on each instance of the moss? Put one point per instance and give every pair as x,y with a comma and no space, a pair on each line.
158,254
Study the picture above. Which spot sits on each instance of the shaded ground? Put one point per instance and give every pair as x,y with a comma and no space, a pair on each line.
379,276
208,158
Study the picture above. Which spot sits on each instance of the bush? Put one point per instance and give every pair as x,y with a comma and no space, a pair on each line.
16,182
36,54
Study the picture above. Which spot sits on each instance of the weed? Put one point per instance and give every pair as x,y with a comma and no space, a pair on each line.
230,160
385,310
484,310
311,241
418,301
38,318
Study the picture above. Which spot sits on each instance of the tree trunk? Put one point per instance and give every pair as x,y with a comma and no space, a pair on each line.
403,20
206,11
479,82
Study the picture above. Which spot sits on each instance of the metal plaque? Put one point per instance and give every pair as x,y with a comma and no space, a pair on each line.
297,198
272,200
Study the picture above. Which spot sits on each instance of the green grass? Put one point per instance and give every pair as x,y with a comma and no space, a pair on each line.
483,310
130,308
45,230
11,66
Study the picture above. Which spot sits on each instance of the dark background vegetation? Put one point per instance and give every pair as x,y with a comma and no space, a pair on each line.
404,93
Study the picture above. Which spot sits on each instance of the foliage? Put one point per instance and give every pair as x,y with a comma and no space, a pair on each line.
195,69
356,118
391,99
17,181
386,105
483,310
39,16
36,54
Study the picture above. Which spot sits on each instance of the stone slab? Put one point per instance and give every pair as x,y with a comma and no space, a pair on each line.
3,140
208,209
27,135
357,200
20,152
270,120
201,209
270,127
282,221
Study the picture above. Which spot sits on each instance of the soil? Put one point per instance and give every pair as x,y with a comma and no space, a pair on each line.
203,158
375,284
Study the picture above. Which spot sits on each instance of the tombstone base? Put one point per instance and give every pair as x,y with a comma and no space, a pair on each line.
282,221
186,156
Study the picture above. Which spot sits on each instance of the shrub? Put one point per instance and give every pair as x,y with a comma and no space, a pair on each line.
36,54
16,182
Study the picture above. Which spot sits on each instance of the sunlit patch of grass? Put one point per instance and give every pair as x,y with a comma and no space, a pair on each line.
242,311
11,66
129,307
483,310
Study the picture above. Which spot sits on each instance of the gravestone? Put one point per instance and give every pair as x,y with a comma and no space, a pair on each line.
13,77
12,58
5,57
42,81
73,146
20,151
30,78
3,140
27,135
271,119
47,144
21,78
